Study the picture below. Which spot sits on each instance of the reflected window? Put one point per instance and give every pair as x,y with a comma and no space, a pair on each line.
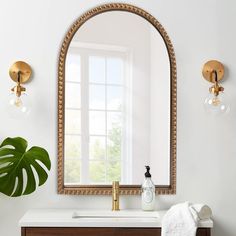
96,116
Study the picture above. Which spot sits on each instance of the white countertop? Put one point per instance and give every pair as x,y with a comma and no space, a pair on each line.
63,218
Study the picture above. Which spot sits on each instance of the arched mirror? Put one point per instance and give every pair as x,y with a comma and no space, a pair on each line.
116,103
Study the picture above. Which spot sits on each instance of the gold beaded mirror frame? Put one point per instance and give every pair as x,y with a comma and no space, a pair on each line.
106,189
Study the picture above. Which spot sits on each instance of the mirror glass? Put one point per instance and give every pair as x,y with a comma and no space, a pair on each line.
117,102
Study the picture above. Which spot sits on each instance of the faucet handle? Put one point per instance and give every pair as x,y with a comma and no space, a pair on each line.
115,190
115,184
115,196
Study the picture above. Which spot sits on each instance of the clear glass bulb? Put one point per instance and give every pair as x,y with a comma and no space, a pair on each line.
19,106
217,105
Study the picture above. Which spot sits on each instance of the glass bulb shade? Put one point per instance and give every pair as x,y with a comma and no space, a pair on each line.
217,105
19,106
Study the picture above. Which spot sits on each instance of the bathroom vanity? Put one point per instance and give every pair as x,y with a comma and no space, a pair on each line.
64,222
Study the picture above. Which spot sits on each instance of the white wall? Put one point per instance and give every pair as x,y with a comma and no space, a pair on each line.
200,30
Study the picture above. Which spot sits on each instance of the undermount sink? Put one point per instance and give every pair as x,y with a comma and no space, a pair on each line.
96,218
123,214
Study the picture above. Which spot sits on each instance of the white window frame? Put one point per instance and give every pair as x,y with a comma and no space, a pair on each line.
85,50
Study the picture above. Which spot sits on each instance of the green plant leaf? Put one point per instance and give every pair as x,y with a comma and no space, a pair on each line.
14,158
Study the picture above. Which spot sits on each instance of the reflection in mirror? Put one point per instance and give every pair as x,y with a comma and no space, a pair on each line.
117,104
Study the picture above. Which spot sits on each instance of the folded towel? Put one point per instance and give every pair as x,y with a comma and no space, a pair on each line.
180,221
203,211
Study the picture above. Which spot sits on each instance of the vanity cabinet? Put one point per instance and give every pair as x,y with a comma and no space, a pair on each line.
78,222
74,231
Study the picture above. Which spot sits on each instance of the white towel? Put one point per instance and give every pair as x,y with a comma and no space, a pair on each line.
203,211
180,221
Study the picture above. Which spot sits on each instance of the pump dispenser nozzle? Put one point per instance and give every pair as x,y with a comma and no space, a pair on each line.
147,174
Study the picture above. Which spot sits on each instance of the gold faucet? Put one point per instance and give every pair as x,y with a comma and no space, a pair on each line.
115,196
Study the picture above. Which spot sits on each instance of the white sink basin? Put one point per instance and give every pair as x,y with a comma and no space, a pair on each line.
96,218
122,214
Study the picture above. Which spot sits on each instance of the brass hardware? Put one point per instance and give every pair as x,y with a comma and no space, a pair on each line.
20,67
115,196
213,71
20,72
210,67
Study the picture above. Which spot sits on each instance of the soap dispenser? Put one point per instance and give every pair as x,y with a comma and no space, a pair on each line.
148,192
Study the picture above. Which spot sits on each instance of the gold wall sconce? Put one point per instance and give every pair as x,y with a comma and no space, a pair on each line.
216,102
20,73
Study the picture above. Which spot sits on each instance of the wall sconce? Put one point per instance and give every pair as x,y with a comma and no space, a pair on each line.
20,73
215,102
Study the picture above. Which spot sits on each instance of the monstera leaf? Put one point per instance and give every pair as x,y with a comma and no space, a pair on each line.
14,160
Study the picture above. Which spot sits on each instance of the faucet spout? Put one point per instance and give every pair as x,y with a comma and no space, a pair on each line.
115,196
